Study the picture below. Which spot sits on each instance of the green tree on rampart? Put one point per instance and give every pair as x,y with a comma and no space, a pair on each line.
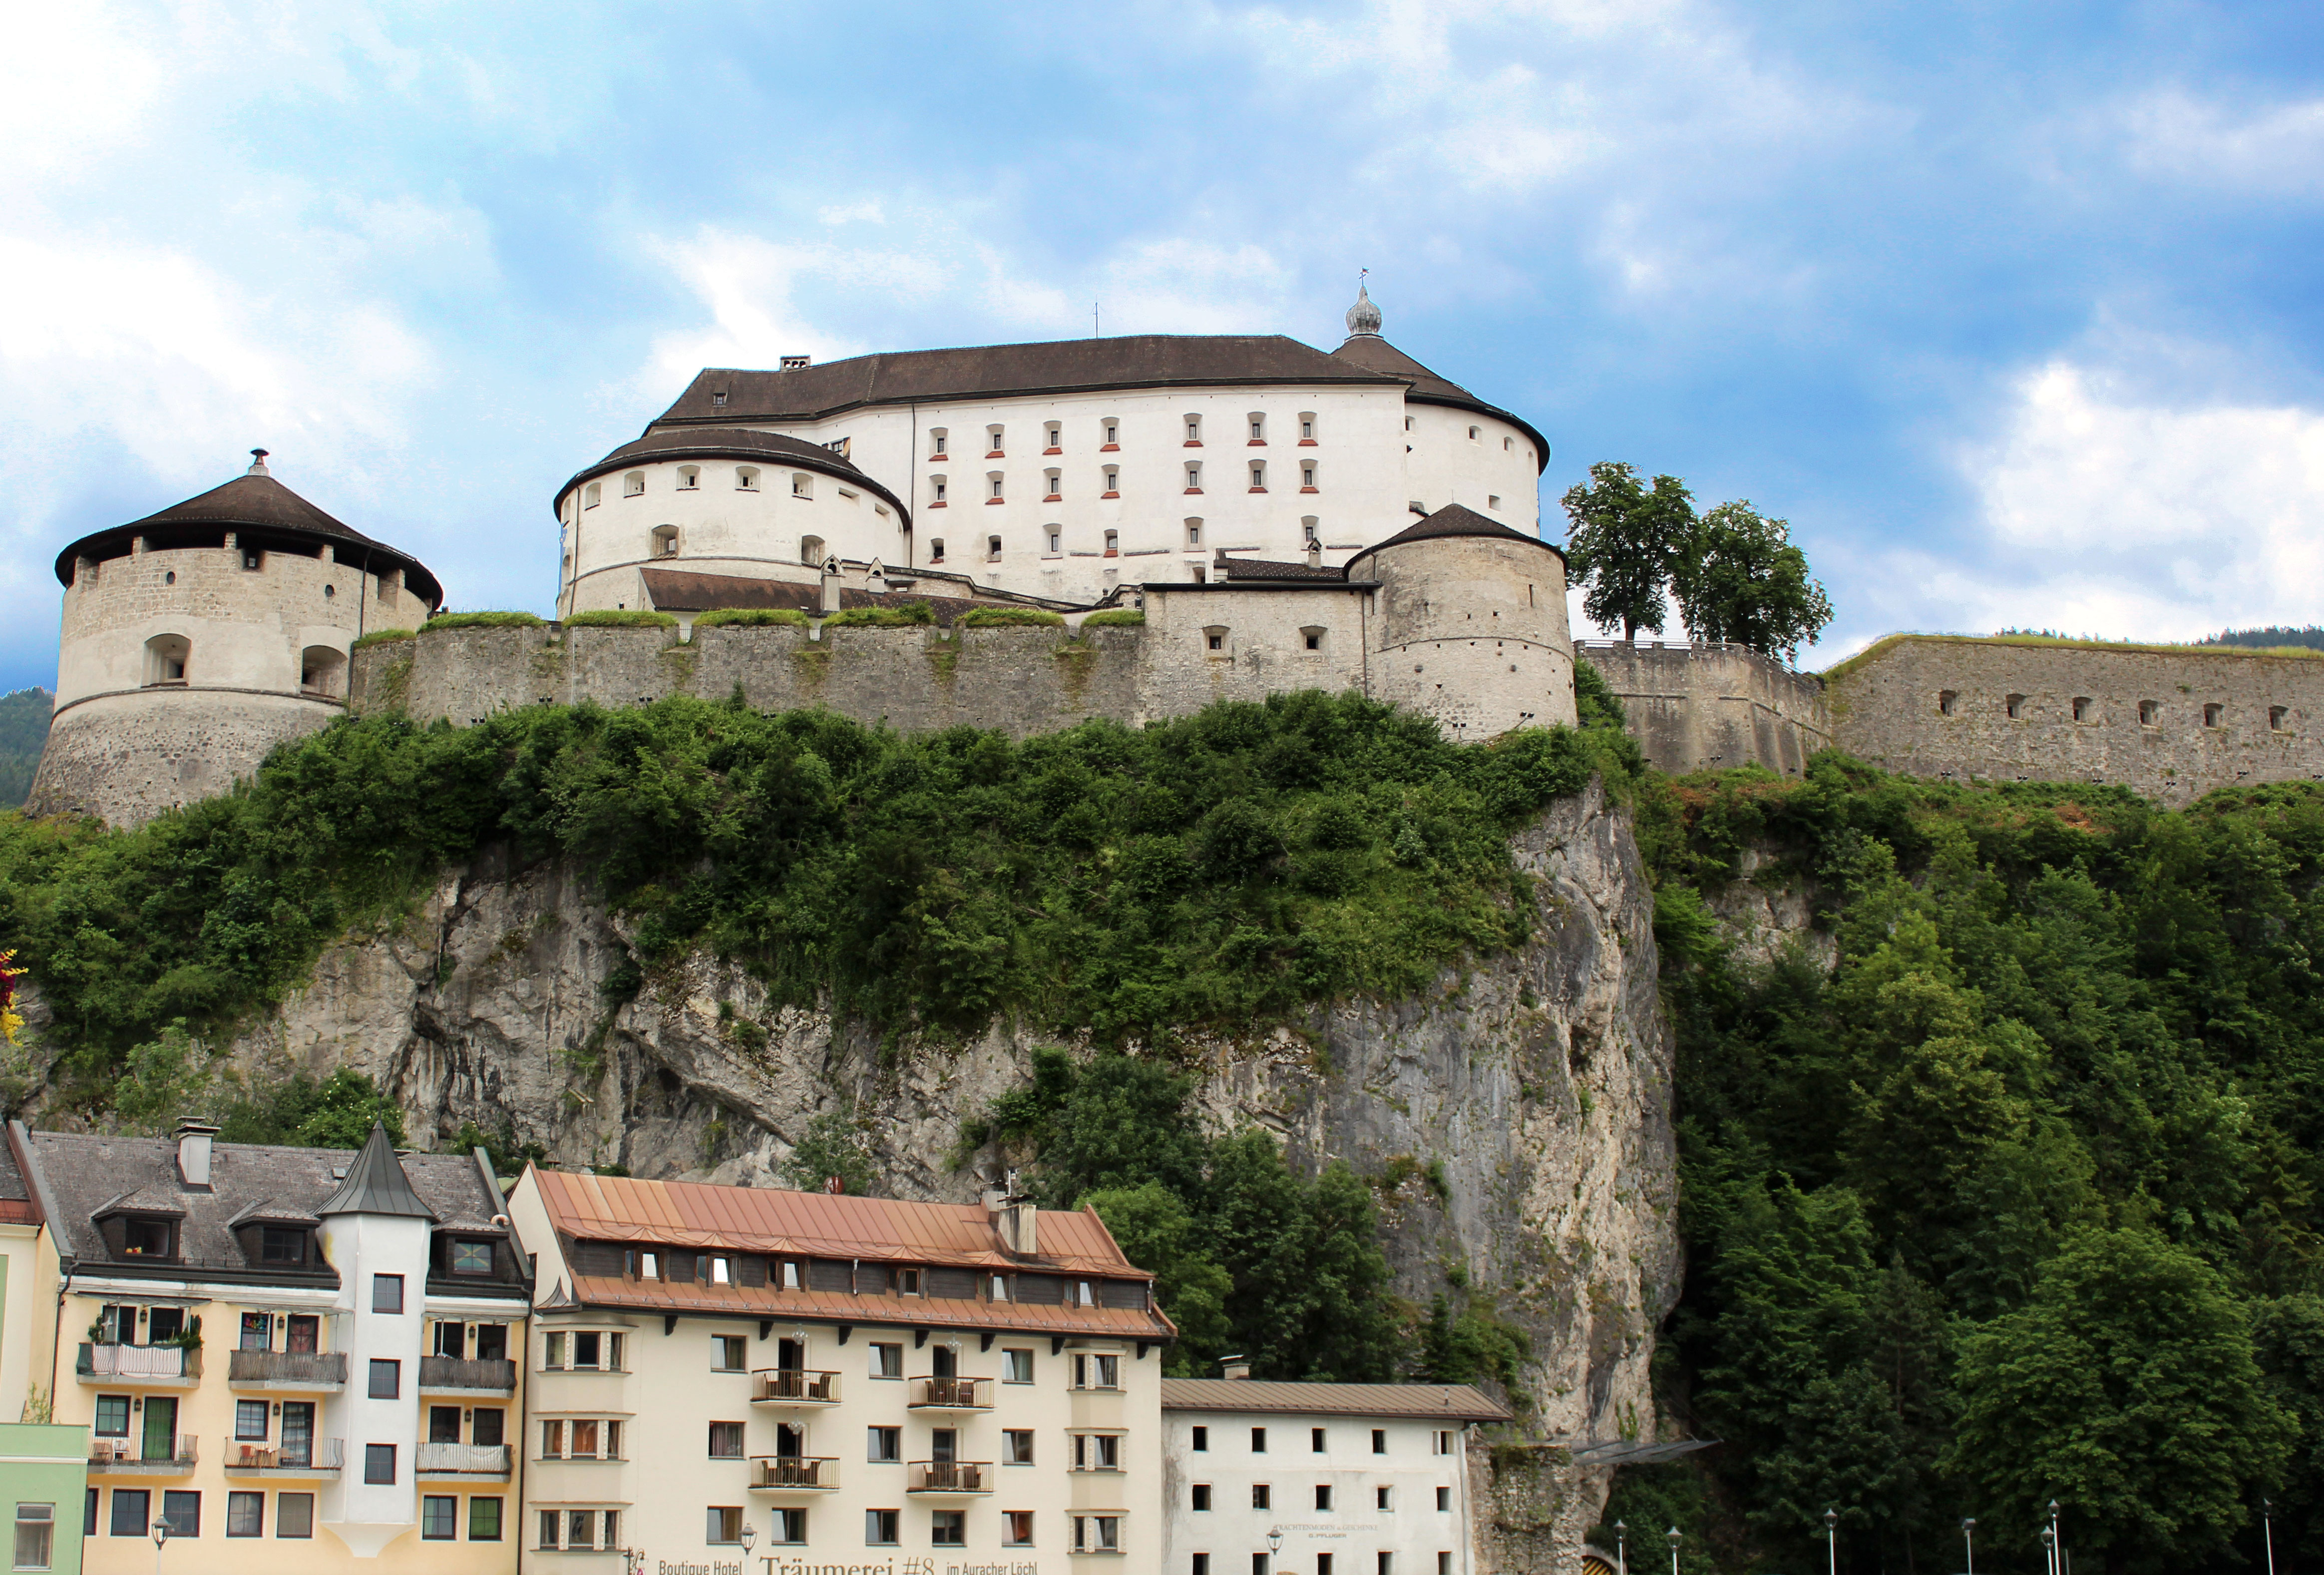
1623,544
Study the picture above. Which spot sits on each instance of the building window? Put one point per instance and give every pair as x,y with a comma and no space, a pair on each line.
802,485
2279,719
1195,476
2213,715
379,1465
2014,706
1258,1440
725,1441
1315,1440
811,551
1257,476
790,1272
633,484
1016,1365
2085,709
1097,1534
166,658
1948,703
1216,639
1379,1441
746,478
1492,499
250,1419
948,1528
663,541
1194,533
935,550
938,437
36,1535
1307,477
996,482
182,1513
885,1444
1201,1497
254,561
1444,1441
991,554
1113,544
1202,1439
787,1526
1383,1498
258,1328
1052,488
998,1284
725,1527
591,494
1112,485
1507,444
1017,1446
1053,439
1097,1451
294,1516
386,1379
387,1293
729,1353
439,1517
2150,713
887,1359
1445,1500
1323,1564
938,481
113,1416
1262,1496
689,480
129,1517
1017,1528
1306,428
484,1520
992,450
882,1528
1474,434
245,1515
1201,1565
1322,1495
1194,430
1112,434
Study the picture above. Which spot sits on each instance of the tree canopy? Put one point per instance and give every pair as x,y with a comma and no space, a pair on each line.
1739,579
1624,544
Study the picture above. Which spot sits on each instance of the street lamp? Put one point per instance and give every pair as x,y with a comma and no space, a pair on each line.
2057,1541
2050,1549
1831,1540
1673,1542
1969,1540
2267,1521
750,1540
1273,1546
160,1536
1622,1549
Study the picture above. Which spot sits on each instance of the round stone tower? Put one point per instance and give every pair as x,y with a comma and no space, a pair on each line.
197,639
1469,624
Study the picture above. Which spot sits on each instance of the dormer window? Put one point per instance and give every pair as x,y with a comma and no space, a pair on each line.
472,1258
283,1244
908,1282
145,1238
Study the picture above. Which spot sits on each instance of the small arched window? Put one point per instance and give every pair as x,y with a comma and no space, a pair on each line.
1475,433
1195,476
1258,426
992,549
690,478
1112,488
936,483
1307,476
802,485
1194,432
1311,639
1053,436
1056,539
811,551
1194,533
1214,639
633,484
665,541
322,670
1258,476
591,494
1306,428
935,550
1113,544
746,478
937,439
992,450
1112,428
166,658
2150,713
1050,492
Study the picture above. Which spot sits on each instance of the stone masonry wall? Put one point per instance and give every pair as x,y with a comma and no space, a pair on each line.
1705,706
1940,706
126,757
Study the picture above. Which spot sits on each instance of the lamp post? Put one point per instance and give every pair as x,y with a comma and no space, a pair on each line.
1273,1546
750,1539
2050,1549
1831,1540
1675,1539
1968,1542
1622,1549
2057,1540
160,1536
2267,1523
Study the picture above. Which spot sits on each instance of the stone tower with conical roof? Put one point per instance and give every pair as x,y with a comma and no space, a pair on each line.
197,639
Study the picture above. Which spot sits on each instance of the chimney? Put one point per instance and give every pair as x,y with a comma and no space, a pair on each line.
830,585
1314,552
194,1152
1234,1366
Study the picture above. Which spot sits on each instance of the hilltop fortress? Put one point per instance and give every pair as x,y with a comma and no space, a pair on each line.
1246,514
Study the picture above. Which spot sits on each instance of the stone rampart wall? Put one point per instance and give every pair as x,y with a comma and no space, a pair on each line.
1938,705
1694,707
126,757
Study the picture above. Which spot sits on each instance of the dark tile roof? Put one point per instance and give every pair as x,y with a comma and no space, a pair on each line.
254,502
684,591
1413,1402
661,443
1261,568
1054,366
1374,353
81,1174
376,1183
1453,520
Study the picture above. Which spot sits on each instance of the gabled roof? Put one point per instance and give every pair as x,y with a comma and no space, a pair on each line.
253,502
1452,1403
1452,521
376,1183
991,371
684,442
17,1204
1374,353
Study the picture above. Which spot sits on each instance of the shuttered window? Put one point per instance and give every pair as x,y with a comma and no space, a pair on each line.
952,1282
830,1273
1129,1294
1041,1290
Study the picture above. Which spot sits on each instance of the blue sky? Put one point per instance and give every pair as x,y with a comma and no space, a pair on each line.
2010,309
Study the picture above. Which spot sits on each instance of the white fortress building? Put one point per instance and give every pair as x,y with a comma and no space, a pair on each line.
1061,471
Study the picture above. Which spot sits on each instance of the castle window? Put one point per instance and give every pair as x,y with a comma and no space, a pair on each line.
329,592
1194,533
1113,481
1194,432
1112,436
992,446
665,541
2279,719
992,549
935,550
690,478
2150,713
1475,433
1113,544
1050,493
938,481
995,480
938,437
1307,427
592,493
788,364
2015,705
322,670
634,485
1948,703
718,397
169,578
253,560
1258,426
1258,476
1311,638
1507,444
1492,499
1307,476
2085,708
1194,477
802,485
1215,638
2213,715
1055,537
1407,423
166,656
811,551
746,478
1053,439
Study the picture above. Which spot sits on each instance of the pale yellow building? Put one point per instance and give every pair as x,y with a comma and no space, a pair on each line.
803,1383
296,1360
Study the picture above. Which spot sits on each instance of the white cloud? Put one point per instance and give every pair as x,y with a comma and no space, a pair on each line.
2279,149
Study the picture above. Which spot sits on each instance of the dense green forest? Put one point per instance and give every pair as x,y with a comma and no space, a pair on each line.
23,735
2273,635
2016,1202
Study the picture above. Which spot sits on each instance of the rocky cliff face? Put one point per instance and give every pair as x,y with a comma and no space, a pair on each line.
1528,1095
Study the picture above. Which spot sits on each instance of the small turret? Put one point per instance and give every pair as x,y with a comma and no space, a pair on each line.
1363,317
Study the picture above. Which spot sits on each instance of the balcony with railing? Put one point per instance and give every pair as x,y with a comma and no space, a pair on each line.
158,1367
950,1394
466,1376
793,1474
137,1457
317,1459
949,1477
306,1372
794,1386
471,1460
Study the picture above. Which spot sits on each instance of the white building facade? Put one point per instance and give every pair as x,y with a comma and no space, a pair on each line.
1062,470
1269,1479
725,1376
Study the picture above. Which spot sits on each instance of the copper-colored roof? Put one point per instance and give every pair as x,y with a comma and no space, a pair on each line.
1414,1402
843,1307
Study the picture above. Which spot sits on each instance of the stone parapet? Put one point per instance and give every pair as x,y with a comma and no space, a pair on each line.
1697,707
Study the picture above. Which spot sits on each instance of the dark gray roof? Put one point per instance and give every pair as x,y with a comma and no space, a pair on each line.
254,502
1052,366
1262,568
1374,353
79,1174
1445,1402
1451,521
661,442
376,1183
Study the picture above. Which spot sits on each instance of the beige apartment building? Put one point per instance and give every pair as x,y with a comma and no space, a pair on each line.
292,1359
724,1379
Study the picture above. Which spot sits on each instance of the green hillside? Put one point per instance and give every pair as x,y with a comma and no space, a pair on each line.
23,732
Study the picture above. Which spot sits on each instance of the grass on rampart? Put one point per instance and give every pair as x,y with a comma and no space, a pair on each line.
1116,618
485,620
751,618
1840,670
903,616
1220,871
1010,618
382,637
620,618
